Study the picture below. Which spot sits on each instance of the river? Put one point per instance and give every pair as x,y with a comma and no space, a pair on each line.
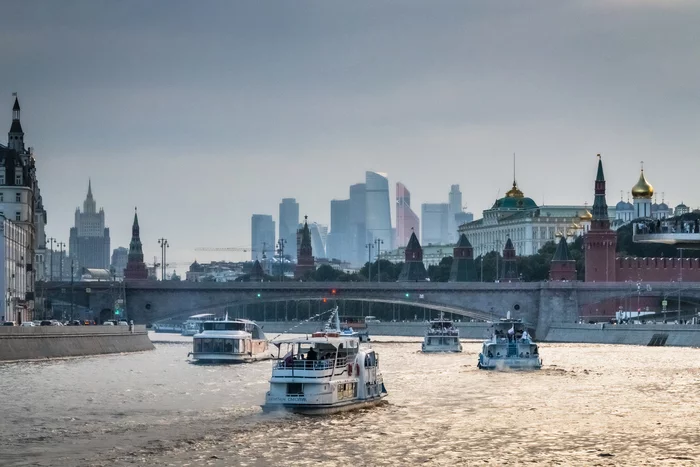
589,405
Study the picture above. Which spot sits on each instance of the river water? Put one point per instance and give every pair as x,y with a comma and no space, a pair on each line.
590,405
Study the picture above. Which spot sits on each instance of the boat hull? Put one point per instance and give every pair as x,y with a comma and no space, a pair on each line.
441,349
218,358
324,409
509,363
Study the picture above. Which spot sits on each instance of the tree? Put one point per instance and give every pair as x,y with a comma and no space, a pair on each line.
441,272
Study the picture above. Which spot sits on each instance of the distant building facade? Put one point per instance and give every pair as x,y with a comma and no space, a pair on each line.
407,221
262,236
289,220
338,245
21,204
120,257
89,243
358,225
435,220
378,209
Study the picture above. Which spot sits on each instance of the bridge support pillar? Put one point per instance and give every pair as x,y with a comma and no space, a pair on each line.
557,305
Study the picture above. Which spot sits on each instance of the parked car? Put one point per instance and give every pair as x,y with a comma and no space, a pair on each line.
46,322
108,323
75,322
8,323
28,324
123,322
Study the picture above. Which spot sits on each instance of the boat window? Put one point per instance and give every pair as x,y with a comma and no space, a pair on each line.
370,360
295,389
236,345
198,345
228,346
206,345
223,326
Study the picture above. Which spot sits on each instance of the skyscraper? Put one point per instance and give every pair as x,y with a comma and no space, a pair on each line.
454,208
289,220
378,209
358,228
434,218
120,258
262,236
89,239
319,233
406,220
339,238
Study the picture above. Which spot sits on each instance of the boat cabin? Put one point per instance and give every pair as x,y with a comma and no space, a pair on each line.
510,339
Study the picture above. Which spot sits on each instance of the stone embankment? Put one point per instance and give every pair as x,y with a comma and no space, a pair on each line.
41,342
642,334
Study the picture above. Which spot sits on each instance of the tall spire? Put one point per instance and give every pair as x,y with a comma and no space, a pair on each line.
89,195
89,205
600,204
135,267
15,138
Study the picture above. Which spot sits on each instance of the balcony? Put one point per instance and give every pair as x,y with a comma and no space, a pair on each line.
681,234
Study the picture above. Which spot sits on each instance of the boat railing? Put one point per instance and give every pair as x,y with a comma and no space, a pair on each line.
324,364
444,332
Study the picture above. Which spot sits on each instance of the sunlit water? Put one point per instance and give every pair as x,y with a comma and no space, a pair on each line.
590,405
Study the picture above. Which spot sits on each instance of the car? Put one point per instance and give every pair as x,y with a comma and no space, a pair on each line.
46,322
28,324
123,322
8,323
75,322
108,323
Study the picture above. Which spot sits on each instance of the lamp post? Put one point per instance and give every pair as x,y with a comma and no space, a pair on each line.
164,245
369,247
379,242
71,288
61,245
51,241
680,281
280,252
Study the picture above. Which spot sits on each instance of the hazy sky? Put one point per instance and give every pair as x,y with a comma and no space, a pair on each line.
204,112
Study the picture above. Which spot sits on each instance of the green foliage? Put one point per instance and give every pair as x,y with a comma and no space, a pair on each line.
441,272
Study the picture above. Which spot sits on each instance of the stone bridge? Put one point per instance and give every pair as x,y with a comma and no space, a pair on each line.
537,303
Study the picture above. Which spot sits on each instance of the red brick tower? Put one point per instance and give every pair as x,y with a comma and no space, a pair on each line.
563,266
305,258
600,242
135,267
509,272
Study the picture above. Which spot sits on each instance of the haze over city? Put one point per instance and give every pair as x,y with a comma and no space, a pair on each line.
203,114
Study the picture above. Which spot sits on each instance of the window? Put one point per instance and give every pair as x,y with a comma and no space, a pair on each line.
18,179
18,197
295,389
18,216
2,179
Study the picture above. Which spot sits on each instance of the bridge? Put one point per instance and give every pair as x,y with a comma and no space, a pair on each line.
537,303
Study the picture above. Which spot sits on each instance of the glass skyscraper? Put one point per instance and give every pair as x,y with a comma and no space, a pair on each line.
406,220
378,210
289,222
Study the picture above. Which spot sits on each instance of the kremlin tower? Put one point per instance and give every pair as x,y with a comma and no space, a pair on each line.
135,267
563,266
413,268
509,271
463,269
305,257
600,242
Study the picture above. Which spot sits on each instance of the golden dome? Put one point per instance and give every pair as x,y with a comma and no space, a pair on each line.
586,216
514,192
559,234
642,189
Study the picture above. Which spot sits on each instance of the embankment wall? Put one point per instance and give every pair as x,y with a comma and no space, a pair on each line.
640,334
416,329
32,343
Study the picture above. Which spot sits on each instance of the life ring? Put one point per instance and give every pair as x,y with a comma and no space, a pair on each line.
357,369
349,369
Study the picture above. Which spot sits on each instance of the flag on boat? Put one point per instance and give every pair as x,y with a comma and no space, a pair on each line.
511,330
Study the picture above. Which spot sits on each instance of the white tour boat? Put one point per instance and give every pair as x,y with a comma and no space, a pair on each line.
441,336
193,325
230,341
509,347
324,374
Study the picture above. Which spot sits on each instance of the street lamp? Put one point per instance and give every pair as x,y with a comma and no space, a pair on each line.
379,242
61,245
51,241
164,245
280,251
369,247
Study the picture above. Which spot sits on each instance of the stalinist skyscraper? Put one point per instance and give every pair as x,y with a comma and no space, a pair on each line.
89,239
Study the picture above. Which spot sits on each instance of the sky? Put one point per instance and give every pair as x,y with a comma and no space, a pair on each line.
203,113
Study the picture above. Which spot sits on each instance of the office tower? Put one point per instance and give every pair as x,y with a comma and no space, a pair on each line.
406,220
289,220
435,223
454,208
262,236
358,228
378,210
339,239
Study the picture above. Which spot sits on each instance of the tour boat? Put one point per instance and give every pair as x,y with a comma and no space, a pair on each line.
230,341
351,326
193,325
510,347
441,336
324,374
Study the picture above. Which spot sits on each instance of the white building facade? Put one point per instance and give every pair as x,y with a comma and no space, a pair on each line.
15,281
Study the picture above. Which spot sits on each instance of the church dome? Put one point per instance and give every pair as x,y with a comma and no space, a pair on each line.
586,216
196,267
643,188
515,199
